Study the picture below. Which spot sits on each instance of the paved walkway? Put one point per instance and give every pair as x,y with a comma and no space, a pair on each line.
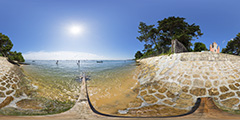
82,110
160,71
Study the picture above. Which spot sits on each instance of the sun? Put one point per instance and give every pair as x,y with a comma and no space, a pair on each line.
75,30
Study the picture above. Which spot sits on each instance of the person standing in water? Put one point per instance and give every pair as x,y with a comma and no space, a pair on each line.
57,62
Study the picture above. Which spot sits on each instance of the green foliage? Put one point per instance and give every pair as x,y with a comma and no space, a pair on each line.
17,56
138,55
233,46
5,45
149,53
176,28
198,47
158,39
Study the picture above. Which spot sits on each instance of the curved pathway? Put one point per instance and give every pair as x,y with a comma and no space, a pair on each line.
82,110
207,109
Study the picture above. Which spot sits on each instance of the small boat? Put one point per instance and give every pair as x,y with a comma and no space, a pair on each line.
33,61
99,61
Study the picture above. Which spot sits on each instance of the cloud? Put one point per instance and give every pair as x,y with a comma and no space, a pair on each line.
61,55
223,41
226,40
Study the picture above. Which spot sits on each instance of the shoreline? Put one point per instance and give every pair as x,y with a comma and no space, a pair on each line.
20,93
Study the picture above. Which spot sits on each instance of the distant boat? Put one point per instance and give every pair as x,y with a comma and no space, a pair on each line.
33,61
99,61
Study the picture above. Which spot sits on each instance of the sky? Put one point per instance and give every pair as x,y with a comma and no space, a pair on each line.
106,29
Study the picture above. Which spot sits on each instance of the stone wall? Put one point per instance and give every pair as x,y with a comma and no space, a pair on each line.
174,82
22,94
9,83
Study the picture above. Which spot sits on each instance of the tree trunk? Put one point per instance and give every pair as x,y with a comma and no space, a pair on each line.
158,50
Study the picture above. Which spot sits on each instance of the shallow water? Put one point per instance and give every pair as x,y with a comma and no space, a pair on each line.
111,84
112,90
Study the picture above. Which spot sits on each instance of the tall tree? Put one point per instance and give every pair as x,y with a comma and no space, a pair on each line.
16,56
176,28
159,38
233,46
5,45
198,47
148,35
138,55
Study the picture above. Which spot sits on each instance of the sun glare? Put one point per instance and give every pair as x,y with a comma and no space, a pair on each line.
76,30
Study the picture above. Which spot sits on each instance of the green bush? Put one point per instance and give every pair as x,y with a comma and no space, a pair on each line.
17,56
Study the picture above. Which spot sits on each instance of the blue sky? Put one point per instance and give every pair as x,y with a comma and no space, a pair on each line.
109,27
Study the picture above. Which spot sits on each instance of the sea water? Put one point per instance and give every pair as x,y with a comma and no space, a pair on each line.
71,68
110,85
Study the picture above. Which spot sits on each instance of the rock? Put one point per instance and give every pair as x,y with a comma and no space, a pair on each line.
205,77
160,96
150,99
170,95
143,93
2,94
233,87
208,84
196,76
213,91
223,89
2,88
187,82
216,83
150,91
164,71
174,87
198,91
183,103
237,84
213,77
18,93
185,88
8,85
231,77
198,82
3,83
6,102
156,86
185,96
162,90
230,81
4,78
168,102
226,95
14,86
9,92
187,76
238,93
